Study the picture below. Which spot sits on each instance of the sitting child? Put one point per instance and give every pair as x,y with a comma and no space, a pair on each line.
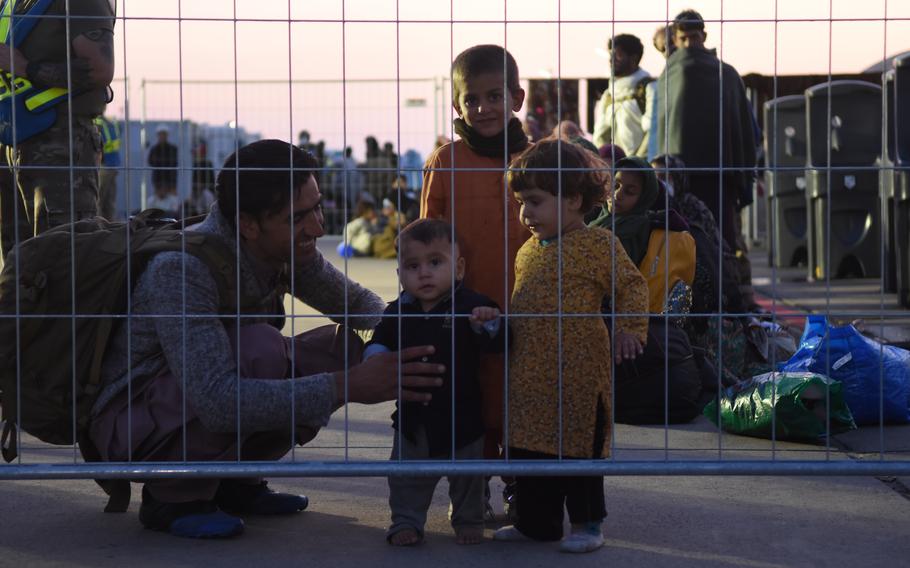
658,242
664,384
163,199
431,270
560,379
360,231
390,223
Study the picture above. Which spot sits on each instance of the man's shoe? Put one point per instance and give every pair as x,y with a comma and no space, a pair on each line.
257,499
193,519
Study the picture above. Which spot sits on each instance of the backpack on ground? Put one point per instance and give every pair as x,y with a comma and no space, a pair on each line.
664,383
61,294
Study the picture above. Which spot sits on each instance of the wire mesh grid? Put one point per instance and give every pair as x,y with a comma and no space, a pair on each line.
357,89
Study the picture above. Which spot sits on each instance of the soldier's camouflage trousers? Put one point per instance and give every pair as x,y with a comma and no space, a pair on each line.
36,177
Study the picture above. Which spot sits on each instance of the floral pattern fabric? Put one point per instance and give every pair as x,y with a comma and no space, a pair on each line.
560,364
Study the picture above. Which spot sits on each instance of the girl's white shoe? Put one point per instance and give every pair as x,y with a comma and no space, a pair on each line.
583,540
509,534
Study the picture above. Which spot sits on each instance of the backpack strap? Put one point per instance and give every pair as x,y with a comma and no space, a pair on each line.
641,93
655,264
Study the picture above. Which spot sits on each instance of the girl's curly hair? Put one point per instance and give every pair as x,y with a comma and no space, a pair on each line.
551,161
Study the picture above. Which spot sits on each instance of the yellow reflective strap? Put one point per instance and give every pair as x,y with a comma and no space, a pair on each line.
4,20
20,83
44,97
10,85
102,125
110,134
5,86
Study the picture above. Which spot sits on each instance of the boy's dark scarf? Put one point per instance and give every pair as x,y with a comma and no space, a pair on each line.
493,146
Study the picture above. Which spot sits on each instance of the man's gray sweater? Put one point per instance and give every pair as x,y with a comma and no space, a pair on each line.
152,340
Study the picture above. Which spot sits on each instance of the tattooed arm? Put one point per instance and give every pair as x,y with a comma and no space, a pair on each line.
91,66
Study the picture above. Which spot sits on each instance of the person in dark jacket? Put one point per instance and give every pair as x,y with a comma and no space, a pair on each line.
180,383
162,160
203,183
704,118
435,309
713,275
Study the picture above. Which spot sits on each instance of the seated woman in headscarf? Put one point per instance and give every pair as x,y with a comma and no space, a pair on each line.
657,243
712,274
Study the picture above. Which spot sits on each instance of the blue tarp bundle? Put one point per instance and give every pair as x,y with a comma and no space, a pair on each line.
875,377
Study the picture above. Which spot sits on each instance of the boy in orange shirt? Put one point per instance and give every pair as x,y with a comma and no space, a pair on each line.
464,184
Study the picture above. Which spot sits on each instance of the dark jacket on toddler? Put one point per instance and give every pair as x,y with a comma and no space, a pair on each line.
436,328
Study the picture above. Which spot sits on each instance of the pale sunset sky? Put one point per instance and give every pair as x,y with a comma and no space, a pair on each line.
307,40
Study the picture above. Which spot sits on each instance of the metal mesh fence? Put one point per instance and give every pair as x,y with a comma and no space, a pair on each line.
822,196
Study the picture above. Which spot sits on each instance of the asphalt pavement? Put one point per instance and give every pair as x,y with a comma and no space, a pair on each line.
749,521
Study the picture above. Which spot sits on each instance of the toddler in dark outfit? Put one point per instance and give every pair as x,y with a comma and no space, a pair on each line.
435,309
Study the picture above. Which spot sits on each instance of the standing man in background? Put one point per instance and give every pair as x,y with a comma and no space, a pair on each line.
110,166
60,88
163,162
663,40
663,43
202,194
622,116
701,97
705,119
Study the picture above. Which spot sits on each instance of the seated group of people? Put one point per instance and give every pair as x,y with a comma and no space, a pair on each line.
372,232
655,216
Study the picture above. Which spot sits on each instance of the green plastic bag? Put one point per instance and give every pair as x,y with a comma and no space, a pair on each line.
796,401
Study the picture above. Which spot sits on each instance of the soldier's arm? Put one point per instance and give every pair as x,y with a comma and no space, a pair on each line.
91,66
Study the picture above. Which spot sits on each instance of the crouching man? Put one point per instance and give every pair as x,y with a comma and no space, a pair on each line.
208,388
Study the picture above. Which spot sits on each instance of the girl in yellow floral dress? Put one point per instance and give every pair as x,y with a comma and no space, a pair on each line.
560,368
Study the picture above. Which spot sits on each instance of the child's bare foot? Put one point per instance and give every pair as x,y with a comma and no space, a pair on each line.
469,535
405,537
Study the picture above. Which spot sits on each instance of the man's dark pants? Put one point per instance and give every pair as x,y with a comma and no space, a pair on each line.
152,423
